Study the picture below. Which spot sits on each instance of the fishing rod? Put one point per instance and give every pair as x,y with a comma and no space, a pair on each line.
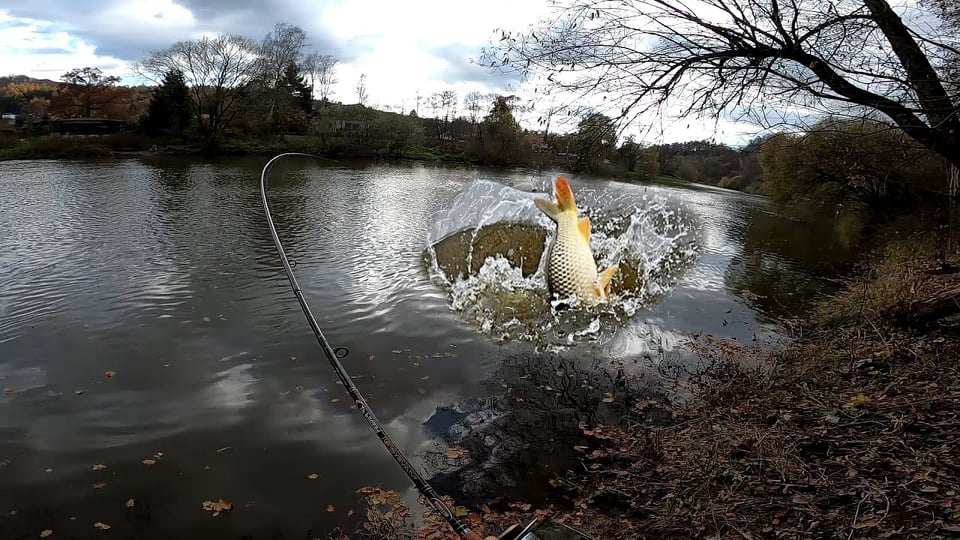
528,532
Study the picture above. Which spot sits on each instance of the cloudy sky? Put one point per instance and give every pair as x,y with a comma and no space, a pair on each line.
403,48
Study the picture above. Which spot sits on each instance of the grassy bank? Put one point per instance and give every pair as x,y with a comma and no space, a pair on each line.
850,431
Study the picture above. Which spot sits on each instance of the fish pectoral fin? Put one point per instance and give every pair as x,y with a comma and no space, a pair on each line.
603,283
549,208
584,225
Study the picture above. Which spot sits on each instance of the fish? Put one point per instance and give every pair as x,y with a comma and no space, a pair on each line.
571,267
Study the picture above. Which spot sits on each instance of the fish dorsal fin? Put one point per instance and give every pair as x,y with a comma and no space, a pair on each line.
584,225
603,283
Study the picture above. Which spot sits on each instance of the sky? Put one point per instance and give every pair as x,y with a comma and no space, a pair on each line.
404,48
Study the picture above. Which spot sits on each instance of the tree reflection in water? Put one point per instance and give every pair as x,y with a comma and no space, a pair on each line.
508,443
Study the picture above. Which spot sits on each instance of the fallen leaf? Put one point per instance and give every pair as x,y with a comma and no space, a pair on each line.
455,452
45,533
130,503
608,398
861,399
149,462
111,374
99,467
99,485
313,476
329,508
217,507
102,526
350,513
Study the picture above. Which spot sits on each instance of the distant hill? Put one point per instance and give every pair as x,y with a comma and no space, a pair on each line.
24,79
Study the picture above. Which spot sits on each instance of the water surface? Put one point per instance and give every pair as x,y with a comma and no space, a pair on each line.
162,272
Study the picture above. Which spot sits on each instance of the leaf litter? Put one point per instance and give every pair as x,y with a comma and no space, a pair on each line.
217,507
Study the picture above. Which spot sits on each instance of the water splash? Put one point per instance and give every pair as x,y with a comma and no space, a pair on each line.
486,252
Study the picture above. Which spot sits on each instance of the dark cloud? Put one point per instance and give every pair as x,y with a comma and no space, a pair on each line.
250,18
463,66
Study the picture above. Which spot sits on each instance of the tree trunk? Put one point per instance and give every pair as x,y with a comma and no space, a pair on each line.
942,134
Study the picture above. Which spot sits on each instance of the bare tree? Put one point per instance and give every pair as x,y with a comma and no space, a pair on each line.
218,71
435,102
545,119
789,58
321,72
448,100
475,103
362,89
279,49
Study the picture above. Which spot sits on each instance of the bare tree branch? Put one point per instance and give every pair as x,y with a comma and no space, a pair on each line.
716,58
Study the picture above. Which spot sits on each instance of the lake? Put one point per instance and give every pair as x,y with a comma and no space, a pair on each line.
146,325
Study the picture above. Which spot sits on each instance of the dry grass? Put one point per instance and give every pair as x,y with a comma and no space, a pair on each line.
894,285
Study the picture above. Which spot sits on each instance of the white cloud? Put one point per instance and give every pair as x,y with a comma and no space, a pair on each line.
44,50
405,49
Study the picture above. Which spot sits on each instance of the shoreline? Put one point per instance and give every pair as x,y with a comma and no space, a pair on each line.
81,149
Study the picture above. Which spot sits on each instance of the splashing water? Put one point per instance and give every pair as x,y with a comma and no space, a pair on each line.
486,251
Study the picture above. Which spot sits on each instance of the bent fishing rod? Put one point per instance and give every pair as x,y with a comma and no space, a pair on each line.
334,355
528,532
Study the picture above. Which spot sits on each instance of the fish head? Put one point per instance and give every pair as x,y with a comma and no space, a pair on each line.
565,199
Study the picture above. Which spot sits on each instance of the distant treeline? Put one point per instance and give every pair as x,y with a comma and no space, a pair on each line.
232,92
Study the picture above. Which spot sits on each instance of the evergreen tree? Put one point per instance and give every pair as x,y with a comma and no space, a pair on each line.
169,109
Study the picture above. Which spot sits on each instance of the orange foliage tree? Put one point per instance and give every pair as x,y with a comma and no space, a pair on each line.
87,93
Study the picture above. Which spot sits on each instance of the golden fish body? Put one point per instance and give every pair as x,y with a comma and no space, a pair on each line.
571,268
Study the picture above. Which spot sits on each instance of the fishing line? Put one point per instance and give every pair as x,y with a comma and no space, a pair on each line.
335,354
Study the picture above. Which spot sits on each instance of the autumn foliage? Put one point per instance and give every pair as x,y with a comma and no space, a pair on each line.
87,93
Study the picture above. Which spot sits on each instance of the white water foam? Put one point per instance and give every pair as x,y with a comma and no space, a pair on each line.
649,233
